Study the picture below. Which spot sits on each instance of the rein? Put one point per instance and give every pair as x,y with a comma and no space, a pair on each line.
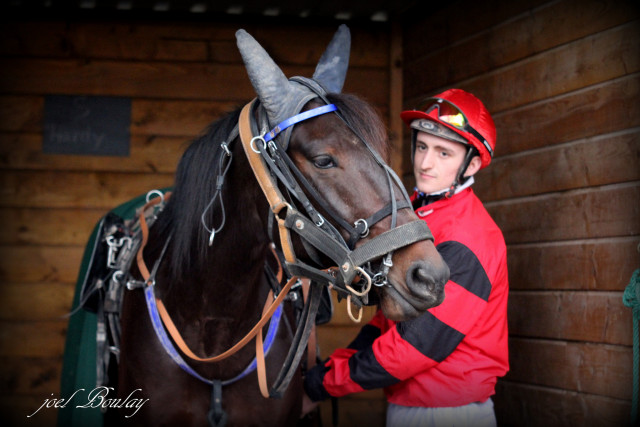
159,317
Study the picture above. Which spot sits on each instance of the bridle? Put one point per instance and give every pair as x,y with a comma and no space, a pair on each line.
272,166
352,274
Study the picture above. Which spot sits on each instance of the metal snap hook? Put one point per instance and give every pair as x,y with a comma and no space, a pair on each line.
225,147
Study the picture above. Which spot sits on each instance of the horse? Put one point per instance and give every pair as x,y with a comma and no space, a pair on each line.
209,252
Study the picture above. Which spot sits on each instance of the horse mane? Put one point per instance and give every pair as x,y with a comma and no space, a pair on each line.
194,186
195,182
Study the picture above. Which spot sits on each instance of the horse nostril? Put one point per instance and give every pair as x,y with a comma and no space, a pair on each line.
421,280
419,276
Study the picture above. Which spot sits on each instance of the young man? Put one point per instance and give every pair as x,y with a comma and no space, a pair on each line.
441,368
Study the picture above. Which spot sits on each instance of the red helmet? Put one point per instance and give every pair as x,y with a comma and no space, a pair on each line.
462,113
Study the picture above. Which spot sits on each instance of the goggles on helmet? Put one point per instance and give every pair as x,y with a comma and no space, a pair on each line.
452,115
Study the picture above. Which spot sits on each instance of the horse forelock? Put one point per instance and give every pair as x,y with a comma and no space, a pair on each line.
364,119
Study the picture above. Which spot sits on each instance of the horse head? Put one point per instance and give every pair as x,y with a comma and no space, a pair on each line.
338,161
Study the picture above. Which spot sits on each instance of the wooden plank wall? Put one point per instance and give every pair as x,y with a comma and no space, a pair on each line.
562,80
180,77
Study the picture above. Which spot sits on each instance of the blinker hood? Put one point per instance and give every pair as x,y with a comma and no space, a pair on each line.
283,98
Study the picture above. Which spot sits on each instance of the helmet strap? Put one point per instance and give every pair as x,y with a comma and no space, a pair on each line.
471,153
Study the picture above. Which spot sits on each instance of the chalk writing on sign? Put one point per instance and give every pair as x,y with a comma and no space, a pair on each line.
86,125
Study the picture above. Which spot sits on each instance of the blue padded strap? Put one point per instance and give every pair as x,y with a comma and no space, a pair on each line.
297,119
173,353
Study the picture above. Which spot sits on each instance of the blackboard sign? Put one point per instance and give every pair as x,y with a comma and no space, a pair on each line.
86,125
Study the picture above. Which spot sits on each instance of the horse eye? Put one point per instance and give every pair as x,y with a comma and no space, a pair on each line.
324,162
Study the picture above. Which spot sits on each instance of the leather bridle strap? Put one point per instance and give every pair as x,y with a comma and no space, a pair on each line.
273,195
149,279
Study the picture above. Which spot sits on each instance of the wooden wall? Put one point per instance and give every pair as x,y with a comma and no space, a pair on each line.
562,80
180,77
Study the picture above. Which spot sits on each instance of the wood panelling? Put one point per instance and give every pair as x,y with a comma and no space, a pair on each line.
521,404
446,28
552,24
601,160
15,408
35,301
594,264
595,110
27,375
53,189
148,154
567,315
169,80
608,55
609,211
36,264
46,226
33,339
175,42
561,79
573,365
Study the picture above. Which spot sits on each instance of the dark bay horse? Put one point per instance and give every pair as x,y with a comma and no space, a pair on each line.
210,244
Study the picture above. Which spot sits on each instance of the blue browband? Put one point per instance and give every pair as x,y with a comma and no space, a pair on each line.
297,119
175,356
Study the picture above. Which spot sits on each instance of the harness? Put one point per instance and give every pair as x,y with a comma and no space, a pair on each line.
353,274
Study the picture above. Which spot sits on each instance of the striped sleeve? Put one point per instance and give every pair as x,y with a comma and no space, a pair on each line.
418,344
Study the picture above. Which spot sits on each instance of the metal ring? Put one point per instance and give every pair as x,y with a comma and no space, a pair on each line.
253,148
152,192
379,280
118,275
365,233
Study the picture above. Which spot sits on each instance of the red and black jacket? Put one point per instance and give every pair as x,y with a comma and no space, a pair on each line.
453,354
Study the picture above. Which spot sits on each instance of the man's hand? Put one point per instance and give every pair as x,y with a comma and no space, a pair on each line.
307,405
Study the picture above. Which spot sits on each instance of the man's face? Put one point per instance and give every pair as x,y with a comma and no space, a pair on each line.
436,162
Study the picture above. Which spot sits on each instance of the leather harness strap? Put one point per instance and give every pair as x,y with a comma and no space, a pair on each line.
271,192
268,310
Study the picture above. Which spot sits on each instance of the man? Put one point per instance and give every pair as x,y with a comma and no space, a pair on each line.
440,368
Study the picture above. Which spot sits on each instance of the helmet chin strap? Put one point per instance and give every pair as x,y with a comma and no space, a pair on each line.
458,184
471,152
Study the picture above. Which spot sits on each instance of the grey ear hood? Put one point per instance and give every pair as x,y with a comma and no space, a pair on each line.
280,97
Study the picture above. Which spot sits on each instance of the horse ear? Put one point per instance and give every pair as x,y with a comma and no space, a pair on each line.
331,70
275,91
